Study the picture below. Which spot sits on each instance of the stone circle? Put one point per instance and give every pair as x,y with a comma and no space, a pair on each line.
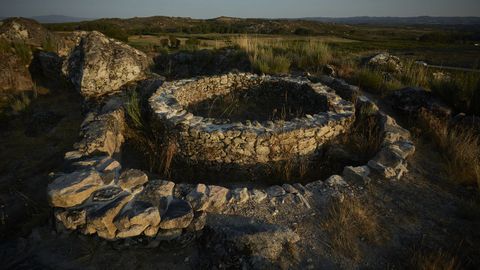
97,196
213,141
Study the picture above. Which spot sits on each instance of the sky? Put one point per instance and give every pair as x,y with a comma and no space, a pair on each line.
239,8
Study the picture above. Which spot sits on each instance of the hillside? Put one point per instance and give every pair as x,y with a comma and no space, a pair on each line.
420,20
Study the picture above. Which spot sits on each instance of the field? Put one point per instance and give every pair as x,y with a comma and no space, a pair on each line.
418,211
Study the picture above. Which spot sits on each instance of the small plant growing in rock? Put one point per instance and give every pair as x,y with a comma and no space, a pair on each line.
23,51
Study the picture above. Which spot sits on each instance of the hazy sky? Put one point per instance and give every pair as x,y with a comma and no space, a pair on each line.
239,8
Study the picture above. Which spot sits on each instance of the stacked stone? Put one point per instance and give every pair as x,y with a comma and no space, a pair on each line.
213,141
98,197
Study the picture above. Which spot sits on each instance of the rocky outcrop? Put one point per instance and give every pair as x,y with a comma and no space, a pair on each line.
100,65
410,100
27,31
385,62
14,73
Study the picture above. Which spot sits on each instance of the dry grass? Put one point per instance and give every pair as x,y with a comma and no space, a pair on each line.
462,91
158,150
365,136
349,223
460,147
439,260
273,56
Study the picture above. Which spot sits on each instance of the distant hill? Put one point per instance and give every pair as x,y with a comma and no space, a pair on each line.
55,19
422,20
59,19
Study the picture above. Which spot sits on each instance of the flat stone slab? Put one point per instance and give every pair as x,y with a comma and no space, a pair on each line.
74,188
178,215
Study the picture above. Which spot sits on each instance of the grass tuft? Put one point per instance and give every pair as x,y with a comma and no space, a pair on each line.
280,56
350,222
460,149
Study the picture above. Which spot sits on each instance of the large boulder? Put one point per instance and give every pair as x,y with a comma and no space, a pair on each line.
99,65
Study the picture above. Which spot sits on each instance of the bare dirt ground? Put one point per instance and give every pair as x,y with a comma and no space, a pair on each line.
423,221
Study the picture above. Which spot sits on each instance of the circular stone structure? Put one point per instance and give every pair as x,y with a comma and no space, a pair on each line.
246,137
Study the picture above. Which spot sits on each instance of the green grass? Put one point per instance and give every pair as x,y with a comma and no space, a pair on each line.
134,110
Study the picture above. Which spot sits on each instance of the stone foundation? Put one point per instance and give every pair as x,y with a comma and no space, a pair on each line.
97,196
214,141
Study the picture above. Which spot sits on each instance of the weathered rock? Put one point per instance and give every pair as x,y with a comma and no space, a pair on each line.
103,164
336,181
218,198
386,62
240,195
198,222
132,180
157,192
357,174
100,65
388,163
301,188
258,195
329,70
135,218
74,188
198,197
178,215
28,31
71,218
289,188
101,134
275,191
105,205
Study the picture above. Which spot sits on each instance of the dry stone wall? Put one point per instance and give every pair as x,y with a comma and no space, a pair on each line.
219,141
97,196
